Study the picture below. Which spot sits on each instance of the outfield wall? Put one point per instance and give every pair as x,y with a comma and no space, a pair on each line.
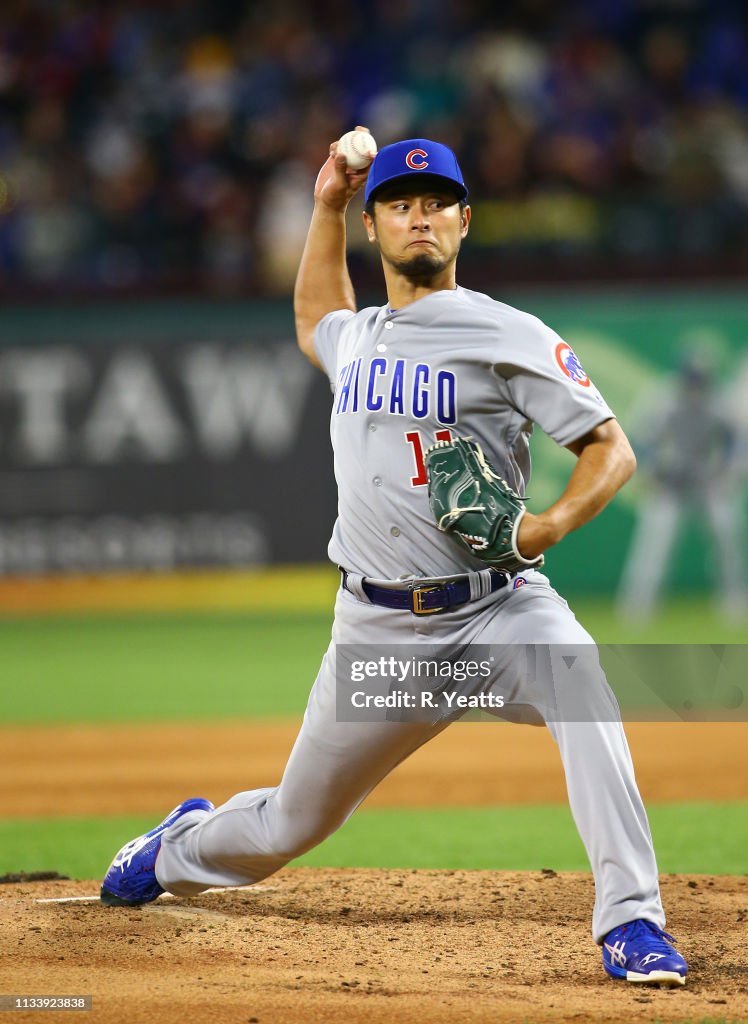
164,435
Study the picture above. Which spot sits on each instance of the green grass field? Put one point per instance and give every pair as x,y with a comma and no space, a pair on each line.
134,668
690,838
211,667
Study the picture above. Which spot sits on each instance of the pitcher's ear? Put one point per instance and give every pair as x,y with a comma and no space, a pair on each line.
370,226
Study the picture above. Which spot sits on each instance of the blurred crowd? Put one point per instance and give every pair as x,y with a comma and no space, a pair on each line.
166,144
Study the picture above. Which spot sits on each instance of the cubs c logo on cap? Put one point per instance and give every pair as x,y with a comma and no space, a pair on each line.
411,157
413,161
570,365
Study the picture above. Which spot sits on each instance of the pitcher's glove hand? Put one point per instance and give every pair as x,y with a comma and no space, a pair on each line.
474,505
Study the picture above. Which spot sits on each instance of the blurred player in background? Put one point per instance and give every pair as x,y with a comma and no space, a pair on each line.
688,457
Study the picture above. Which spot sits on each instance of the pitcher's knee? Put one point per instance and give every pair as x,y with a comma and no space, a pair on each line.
294,836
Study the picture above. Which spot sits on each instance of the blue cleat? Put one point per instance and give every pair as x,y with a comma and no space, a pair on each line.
639,951
131,878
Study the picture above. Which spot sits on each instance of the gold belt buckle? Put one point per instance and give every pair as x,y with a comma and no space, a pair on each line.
416,601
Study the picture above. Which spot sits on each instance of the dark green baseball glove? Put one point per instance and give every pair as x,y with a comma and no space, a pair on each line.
474,505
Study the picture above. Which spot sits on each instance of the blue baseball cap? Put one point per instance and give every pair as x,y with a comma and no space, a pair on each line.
415,157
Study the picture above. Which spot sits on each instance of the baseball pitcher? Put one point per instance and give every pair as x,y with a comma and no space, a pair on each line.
434,397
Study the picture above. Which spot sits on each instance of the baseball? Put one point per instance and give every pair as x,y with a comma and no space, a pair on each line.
358,148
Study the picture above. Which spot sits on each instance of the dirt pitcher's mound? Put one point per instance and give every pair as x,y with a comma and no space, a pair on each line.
376,946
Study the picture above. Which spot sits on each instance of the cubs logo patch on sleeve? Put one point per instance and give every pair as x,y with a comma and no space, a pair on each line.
570,366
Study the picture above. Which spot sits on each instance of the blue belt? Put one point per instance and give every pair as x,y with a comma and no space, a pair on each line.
427,597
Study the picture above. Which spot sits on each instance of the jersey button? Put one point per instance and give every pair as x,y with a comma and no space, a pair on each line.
381,347
394,531
377,481
372,427
388,325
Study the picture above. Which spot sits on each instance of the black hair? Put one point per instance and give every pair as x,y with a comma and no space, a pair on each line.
425,180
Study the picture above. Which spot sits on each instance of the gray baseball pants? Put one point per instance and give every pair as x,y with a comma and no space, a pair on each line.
335,764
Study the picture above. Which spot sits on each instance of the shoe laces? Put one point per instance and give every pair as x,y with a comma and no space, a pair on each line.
658,939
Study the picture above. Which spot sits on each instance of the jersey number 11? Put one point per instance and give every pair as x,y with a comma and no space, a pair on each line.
414,437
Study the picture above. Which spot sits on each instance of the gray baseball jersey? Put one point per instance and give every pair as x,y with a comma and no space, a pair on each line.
455,363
